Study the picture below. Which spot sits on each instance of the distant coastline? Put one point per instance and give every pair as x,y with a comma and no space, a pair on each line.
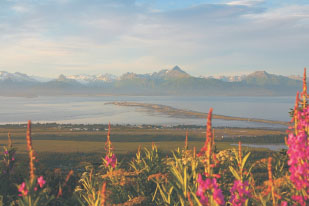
182,113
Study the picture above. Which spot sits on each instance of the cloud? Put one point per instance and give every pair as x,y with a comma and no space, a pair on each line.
20,8
245,2
126,35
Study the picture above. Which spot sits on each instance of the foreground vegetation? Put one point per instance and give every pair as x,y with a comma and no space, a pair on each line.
186,176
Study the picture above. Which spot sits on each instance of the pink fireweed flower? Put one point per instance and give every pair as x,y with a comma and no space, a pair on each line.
300,199
22,189
298,152
284,203
209,185
111,160
239,193
41,181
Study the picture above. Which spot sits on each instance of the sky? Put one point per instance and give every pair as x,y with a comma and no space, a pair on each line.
203,37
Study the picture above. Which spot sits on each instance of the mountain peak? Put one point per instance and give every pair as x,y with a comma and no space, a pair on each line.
128,75
177,72
85,78
177,68
259,74
15,77
62,77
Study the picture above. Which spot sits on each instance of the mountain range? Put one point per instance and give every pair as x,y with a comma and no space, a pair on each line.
173,81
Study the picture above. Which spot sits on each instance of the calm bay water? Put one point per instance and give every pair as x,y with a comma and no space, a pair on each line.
90,110
273,147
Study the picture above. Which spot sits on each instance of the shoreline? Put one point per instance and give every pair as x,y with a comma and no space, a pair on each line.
182,113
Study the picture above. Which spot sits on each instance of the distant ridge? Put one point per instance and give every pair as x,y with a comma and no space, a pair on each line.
85,79
165,74
174,81
15,77
173,73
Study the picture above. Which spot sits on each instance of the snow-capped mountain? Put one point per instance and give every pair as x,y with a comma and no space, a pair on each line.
85,79
173,73
173,81
15,77
165,74
244,77
236,78
41,79
296,77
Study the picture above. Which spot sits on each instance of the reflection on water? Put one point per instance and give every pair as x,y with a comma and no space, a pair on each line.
273,147
90,110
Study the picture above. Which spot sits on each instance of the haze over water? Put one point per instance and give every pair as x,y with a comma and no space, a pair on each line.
93,110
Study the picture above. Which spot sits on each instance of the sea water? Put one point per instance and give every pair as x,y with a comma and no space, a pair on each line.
93,110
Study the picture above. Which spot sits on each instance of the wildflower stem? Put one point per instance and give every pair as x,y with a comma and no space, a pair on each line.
186,141
9,141
304,93
271,183
208,142
31,152
108,138
102,195
240,160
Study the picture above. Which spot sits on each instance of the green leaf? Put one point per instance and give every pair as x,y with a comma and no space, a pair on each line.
185,181
196,199
245,160
154,195
234,173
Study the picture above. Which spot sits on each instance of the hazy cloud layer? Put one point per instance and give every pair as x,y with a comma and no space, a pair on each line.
204,37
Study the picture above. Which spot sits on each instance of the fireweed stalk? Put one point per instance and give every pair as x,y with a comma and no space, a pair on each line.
8,156
186,141
304,93
71,172
31,191
208,142
108,144
208,189
271,182
110,158
10,145
206,149
298,151
240,159
103,194
240,191
31,152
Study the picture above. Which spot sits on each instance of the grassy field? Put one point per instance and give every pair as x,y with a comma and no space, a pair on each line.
126,139
61,146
